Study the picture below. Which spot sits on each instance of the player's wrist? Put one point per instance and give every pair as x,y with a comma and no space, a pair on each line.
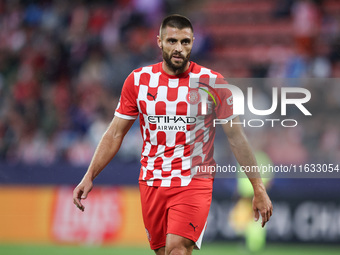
258,187
88,177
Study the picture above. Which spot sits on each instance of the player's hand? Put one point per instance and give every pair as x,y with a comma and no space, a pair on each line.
81,192
263,205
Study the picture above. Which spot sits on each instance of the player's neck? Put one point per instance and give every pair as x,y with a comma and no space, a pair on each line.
170,71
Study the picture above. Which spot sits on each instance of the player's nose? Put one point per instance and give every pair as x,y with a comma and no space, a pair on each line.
178,47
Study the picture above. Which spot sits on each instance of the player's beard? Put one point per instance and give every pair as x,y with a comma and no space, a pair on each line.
177,68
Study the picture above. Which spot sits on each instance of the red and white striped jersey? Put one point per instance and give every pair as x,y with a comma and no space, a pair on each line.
177,131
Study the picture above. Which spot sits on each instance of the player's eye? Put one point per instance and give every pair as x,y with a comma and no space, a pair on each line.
186,41
172,41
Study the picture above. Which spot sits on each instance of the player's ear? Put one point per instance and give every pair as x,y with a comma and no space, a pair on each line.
159,41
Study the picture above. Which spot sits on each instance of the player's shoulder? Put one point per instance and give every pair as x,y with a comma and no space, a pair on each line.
152,68
202,70
142,75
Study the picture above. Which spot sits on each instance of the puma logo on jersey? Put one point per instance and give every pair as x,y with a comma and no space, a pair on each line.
153,96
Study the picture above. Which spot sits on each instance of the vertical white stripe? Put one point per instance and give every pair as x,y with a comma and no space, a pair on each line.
154,80
198,243
173,83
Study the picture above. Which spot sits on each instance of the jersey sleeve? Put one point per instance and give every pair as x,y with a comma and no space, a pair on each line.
224,107
127,106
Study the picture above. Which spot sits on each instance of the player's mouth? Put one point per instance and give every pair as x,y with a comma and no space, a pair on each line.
177,57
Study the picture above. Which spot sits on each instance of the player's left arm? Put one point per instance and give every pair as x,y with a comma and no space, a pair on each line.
245,157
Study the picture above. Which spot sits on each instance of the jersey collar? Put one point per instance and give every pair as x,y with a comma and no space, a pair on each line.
182,75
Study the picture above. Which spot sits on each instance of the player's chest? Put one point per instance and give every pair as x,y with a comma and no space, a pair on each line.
164,100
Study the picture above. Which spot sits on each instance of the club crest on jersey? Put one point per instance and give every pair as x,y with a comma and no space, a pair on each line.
193,96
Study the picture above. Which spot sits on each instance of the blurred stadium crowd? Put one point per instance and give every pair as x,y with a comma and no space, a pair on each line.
284,43
62,65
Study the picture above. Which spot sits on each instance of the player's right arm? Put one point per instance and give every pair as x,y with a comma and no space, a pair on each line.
105,151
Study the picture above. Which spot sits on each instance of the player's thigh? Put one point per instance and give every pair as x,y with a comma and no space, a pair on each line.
160,251
188,214
154,212
179,244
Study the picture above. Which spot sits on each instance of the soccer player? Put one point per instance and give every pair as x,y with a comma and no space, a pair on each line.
178,137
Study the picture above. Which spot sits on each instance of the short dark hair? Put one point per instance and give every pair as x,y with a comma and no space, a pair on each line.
176,21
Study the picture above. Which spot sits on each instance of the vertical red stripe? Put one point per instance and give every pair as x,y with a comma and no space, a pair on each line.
153,150
169,151
172,94
176,164
158,163
161,138
182,108
144,79
180,138
160,108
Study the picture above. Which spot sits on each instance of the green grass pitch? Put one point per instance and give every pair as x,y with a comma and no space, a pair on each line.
207,249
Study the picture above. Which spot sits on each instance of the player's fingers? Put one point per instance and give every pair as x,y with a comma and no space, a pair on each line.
77,193
268,216
264,217
86,192
269,212
256,214
78,204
